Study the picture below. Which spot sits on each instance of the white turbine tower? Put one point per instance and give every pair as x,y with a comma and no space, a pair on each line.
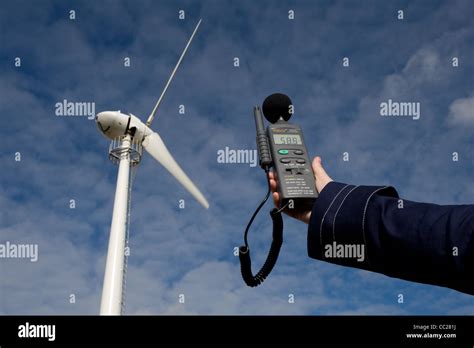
129,135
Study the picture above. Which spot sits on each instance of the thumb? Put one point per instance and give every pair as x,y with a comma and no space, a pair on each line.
320,175
319,172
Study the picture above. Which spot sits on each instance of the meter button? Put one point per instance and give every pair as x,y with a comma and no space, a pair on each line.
298,152
283,152
301,161
285,160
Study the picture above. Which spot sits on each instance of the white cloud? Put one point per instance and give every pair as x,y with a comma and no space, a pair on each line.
461,112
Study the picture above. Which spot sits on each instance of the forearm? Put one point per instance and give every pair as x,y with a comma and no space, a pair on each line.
369,227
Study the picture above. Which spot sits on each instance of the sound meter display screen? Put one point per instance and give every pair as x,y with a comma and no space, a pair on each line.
286,139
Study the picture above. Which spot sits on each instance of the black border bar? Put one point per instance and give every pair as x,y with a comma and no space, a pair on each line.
289,330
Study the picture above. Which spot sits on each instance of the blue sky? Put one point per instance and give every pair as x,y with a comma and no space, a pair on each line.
190,251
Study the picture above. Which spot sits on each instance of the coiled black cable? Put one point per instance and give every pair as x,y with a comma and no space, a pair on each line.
244,251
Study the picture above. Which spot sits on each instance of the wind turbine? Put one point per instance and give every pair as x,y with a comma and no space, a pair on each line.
129,135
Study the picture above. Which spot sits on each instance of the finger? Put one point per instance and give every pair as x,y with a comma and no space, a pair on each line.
271,175
276,199
319,172
273,185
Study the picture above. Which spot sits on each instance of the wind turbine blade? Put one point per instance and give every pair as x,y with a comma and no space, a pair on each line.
157,149
152,115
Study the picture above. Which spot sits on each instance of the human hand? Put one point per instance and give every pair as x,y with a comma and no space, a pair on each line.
321,180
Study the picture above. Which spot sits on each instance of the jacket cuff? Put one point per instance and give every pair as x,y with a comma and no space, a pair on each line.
336,231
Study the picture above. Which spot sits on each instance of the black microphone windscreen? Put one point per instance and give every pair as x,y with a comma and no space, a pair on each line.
275,106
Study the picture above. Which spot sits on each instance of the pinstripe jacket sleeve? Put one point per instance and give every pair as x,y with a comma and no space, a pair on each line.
371,228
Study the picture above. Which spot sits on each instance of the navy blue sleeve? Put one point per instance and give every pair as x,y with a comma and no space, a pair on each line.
371,228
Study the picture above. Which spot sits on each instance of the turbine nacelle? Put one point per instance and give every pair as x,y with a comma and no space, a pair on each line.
113,124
